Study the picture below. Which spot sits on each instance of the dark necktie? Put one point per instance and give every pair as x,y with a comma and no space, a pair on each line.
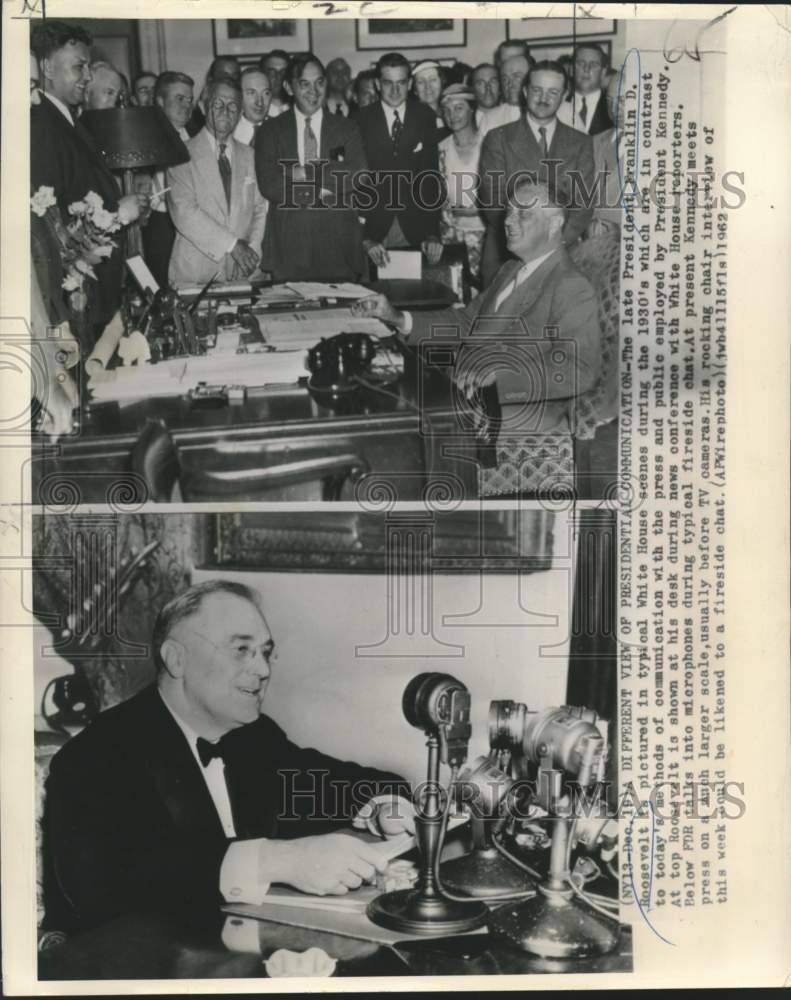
395,132
339,109
225,173
584,112
544,148
311,146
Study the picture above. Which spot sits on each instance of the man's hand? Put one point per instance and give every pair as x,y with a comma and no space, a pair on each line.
132,206
389,816
245,259
380,307
432,248
325,865
376,252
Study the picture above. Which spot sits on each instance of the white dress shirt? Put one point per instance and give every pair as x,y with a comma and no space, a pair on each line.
390,115
245,130
502,114
60,106
239,870
332,107
158,202
535,125
569,111
315,124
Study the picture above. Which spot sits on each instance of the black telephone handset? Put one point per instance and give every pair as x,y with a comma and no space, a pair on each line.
336,363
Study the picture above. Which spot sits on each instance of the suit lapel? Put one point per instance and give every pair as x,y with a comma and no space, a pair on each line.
205,162
174,772
525,295
237,180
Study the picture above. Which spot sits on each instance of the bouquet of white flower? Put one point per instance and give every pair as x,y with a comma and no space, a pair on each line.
83,241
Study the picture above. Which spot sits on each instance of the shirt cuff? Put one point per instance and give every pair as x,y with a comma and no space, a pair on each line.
239,882
407,322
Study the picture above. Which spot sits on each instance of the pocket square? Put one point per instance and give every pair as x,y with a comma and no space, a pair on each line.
418,147
338,154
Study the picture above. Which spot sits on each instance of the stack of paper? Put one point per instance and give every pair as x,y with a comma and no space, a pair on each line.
321,290
301,330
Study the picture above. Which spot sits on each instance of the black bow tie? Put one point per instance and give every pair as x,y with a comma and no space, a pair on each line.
208,751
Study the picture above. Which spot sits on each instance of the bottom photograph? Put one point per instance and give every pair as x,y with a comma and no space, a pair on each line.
319,744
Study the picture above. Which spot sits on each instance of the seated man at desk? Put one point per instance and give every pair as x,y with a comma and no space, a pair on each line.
534,332
186,792
214,201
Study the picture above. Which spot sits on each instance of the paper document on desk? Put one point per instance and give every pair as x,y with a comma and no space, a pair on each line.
402,264
301,330
322,290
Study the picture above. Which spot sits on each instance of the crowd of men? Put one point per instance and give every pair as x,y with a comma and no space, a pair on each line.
297,169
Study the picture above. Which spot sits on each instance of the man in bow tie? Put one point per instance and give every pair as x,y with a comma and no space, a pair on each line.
533,333
187,793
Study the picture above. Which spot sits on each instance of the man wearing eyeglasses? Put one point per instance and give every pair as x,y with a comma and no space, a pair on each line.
214,201
540,147
187,793
585,108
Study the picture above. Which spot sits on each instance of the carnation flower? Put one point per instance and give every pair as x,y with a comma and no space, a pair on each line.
71,283
78,208
43,199
94,200
103,219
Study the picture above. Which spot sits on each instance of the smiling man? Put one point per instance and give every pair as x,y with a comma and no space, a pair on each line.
187,793
213,200
306,160
540,146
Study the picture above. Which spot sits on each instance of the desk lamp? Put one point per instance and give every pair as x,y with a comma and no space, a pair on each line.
129,138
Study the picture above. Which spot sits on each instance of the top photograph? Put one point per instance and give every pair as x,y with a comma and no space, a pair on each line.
327,260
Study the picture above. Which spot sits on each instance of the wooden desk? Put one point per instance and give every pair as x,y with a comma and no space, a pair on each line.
190,945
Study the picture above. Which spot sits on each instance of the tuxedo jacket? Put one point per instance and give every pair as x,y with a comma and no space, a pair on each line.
600,120
418,207
510,151
129,823
307,238
543,340
205,226
65,158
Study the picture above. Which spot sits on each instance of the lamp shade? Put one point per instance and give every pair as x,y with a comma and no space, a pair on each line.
135,137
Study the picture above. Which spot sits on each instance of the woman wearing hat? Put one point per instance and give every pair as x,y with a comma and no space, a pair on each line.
427,82
459,154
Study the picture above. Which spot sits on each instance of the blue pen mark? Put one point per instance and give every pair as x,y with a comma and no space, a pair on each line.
644,910
634,189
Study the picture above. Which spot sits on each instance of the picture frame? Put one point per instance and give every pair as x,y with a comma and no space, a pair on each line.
249,37
367,542
557,28
553,50
395,34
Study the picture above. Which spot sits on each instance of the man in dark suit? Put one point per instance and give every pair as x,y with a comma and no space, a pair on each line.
186,793
400,139
339,88
306,160
537,145
534,333
585,109
63,155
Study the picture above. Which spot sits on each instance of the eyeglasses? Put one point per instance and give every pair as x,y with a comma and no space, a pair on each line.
219,106
540,92
242,652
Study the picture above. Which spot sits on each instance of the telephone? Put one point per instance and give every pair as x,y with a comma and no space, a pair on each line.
338,363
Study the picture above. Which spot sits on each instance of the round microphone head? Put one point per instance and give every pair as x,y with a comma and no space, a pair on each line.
426,702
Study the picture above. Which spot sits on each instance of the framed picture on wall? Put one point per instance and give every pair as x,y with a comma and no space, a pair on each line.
539,28
554,50
402,33
247,37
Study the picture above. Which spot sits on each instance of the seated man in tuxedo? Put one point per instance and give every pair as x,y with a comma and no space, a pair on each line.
214,201
306,160
533,333
186,793
536,145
